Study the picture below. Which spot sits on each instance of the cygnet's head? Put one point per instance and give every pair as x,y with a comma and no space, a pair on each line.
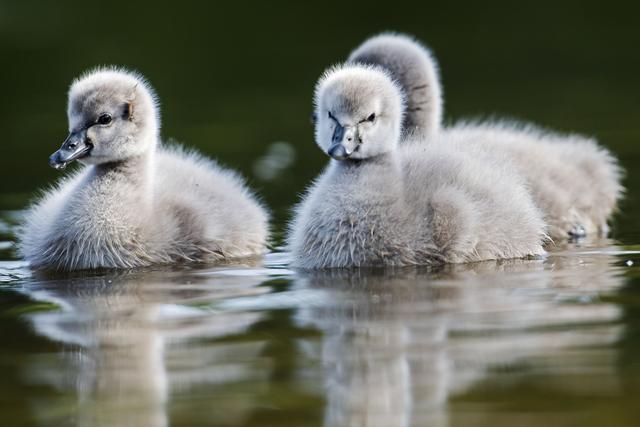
113,116
358,111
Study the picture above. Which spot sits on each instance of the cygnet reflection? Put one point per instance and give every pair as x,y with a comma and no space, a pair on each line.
129,339
398,345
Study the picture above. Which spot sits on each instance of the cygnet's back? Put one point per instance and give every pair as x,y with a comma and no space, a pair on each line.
210,202
574,180
481,206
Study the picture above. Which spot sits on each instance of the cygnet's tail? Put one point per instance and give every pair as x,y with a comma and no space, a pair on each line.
415,68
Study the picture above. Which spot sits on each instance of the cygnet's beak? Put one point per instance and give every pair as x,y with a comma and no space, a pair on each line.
74,147
338,152
342,143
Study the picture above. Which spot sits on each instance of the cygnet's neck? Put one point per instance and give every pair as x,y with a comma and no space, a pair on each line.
124,186
136,170
386,161
374,180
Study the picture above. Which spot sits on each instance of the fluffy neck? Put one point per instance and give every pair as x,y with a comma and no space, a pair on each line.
135,170
387,160
375,180
120,191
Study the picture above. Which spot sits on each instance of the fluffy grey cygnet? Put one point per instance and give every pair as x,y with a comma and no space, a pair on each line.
383,203
135,203
573,180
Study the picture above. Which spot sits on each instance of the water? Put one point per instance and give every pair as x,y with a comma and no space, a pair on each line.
516,343
495,343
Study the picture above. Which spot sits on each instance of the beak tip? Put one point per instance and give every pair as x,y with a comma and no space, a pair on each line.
55,162
338,152
71,150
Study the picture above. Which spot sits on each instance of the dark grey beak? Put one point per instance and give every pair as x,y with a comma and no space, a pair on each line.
74,147
337,150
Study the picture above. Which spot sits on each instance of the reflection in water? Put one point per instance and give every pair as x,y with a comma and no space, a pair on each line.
395,346
123,339
398,345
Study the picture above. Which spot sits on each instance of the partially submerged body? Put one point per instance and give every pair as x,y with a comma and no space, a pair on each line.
573,180
187,209
425,205
135,203
380,202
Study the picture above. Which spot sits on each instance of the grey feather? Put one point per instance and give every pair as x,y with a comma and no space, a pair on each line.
574,181
411,203
415,69
136,202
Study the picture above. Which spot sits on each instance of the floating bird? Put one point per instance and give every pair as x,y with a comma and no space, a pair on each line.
135,202
383,200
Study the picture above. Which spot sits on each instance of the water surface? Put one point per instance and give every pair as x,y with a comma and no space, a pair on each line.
519,342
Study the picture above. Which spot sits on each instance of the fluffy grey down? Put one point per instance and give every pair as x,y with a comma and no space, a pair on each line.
135,202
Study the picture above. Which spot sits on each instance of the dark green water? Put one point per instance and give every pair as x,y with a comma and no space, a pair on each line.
520,343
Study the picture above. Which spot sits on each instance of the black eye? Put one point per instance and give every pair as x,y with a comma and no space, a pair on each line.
104,119
372,117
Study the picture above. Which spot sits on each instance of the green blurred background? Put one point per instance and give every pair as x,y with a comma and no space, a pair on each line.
236,78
